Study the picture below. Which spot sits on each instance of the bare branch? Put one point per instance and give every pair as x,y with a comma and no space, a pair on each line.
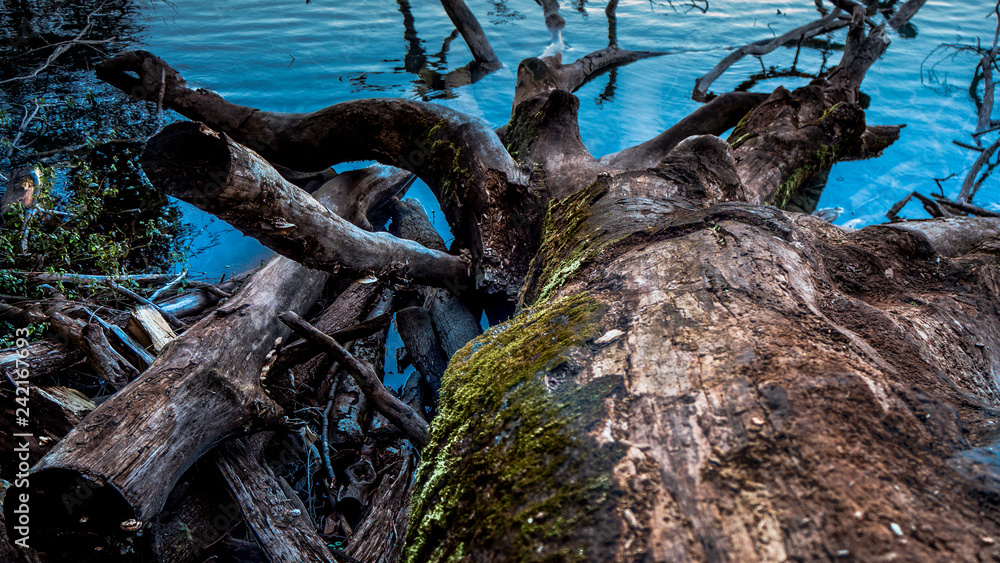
714,118
190,161
61,48
905,13
471,31
965,196
826,24
539,75
398,412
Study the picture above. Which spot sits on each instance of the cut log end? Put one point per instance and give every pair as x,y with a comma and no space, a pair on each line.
187,160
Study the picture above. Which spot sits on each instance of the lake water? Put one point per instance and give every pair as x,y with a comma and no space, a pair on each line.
295,57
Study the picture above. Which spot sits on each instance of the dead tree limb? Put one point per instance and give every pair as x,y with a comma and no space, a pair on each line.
540,75
400,414
714,118
471,31
120,464
905,13
770,145
190,161
460,158
970,184
280,528
826,24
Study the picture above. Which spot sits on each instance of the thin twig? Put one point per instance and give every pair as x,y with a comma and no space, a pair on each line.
177,323
397,412
170,286
826,24
60,49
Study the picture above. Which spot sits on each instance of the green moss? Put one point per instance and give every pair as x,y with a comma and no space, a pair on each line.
740,134
817,160
569,240
505,465
522,130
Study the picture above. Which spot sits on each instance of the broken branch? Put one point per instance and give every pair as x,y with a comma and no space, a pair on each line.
396,411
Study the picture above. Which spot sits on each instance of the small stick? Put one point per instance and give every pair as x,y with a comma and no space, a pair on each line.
170,286
396,411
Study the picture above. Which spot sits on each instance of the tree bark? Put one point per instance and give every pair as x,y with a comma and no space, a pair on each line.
224,178
121,462
742,385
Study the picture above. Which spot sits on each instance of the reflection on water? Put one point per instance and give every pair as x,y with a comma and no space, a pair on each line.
94,211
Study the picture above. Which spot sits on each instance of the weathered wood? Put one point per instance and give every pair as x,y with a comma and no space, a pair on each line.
288,378
692,376
281,529
454,324
150,328
715,118
379,538
122,463
200,299
471,31
48,356
236,184
54,411
416,329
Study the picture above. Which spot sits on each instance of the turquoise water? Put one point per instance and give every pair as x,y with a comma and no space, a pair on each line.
293,56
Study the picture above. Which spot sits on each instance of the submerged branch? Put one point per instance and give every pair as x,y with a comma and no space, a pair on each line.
830,22
471,31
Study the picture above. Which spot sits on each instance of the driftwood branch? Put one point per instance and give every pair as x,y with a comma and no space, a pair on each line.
540,75
280,528
970,183
905,13
715,118
397,412
122,462
194,163
471,31
793,135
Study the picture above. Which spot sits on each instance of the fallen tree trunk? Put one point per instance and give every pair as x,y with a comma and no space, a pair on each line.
754,386
694,376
